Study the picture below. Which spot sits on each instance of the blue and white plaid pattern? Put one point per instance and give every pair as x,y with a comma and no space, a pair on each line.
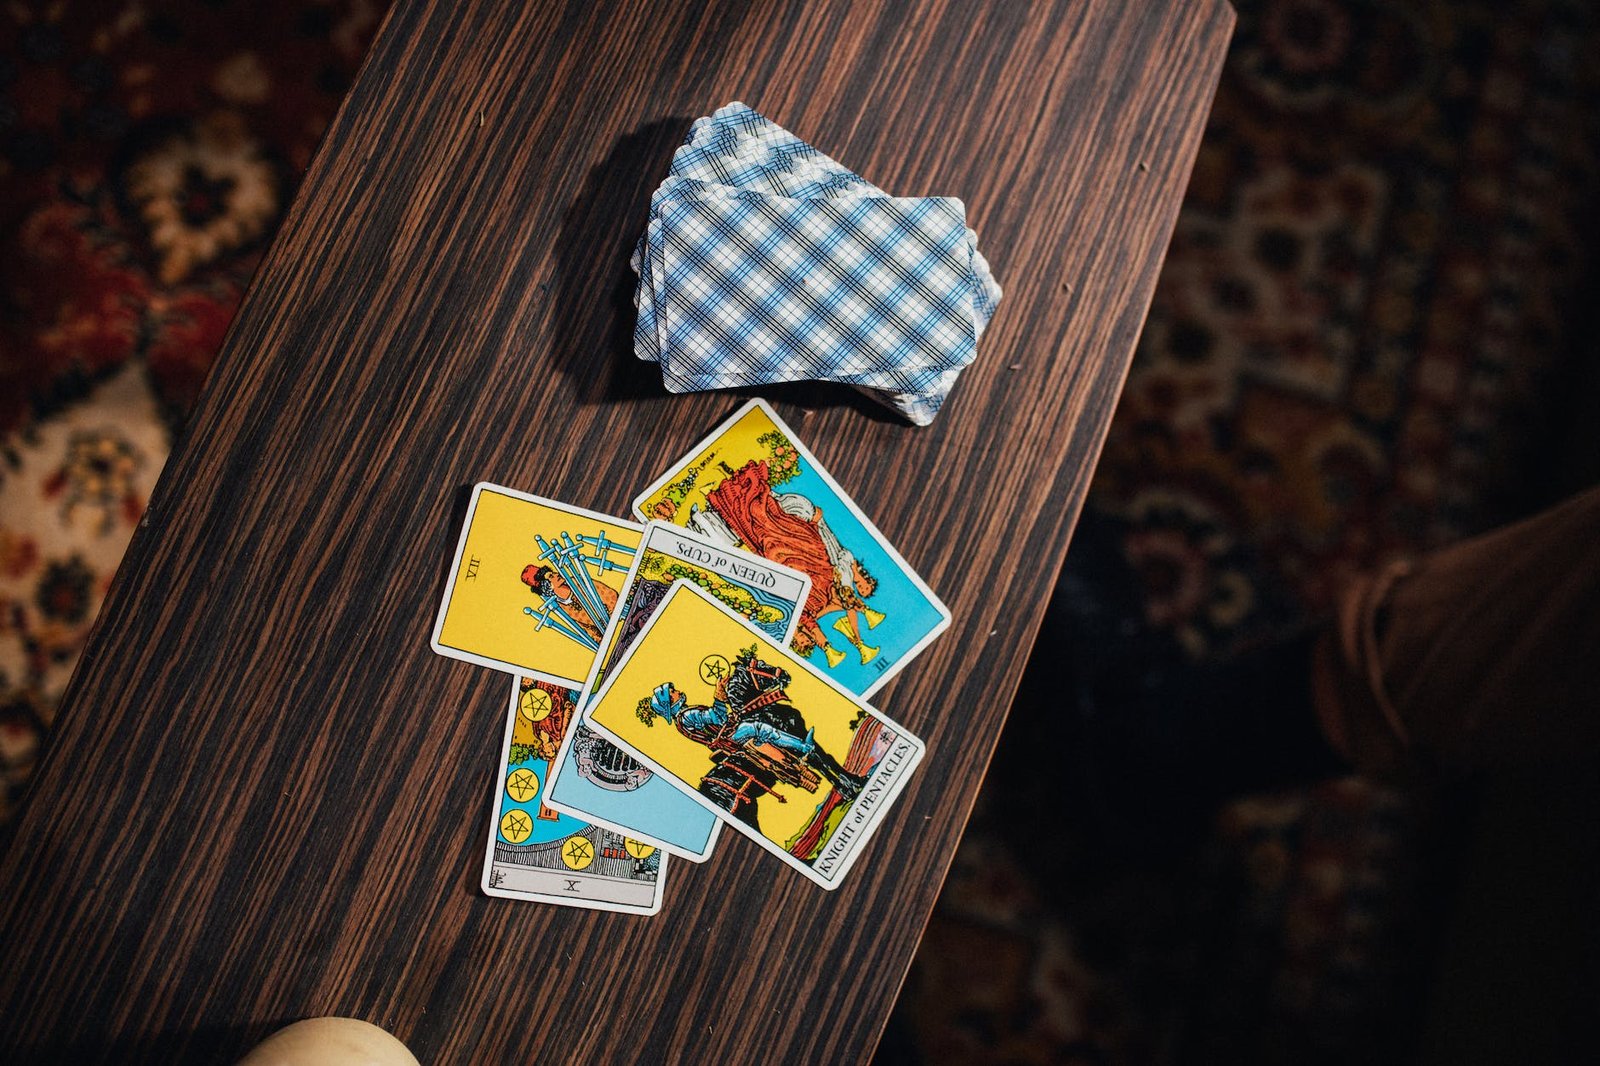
736,147
650,288
720,316
873,291
674,190
739,147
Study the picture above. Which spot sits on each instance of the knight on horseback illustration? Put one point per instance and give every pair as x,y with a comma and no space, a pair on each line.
756,736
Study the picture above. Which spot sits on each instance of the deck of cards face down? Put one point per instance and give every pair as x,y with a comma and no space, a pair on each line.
707,669
765,260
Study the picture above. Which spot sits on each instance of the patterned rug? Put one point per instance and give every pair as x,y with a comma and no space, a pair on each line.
1364,305
1374,286
147,153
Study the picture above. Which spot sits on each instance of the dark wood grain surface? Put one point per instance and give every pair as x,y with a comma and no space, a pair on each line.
267,799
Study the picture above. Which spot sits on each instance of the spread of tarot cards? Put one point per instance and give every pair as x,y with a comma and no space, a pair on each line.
709,667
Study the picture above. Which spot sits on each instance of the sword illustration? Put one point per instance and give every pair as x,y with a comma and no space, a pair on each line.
560,557
603,547
577,576
556,617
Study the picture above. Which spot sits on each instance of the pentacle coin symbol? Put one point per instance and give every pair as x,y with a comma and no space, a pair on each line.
577,852
516,826
638,849
535,705
522,785
713,668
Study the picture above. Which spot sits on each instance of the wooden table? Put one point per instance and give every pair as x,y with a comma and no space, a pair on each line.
267,799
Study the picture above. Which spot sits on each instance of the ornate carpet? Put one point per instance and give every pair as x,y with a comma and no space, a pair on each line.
147,153
1372,295
1364,309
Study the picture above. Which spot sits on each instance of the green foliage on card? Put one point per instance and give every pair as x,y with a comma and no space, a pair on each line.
783,458
735,597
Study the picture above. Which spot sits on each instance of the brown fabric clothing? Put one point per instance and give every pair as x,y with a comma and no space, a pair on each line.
1483,654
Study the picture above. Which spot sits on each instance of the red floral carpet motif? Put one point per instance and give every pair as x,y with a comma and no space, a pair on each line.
146,155
1369,287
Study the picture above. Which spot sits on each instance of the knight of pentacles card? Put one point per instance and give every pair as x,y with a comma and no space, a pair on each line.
761,738
592,779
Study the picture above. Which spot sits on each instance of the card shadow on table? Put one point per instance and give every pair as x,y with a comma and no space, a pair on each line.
594,285
444,548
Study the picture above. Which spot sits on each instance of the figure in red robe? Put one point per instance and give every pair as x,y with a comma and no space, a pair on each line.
790,529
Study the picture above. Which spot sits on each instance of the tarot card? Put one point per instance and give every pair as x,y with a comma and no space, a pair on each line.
762,739
540,854
591,778
533,585
887,300
766,594
753,485
738,149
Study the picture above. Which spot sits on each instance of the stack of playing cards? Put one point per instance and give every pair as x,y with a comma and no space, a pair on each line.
709,667
765,260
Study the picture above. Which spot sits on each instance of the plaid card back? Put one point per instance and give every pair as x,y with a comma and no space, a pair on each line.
760,146
873,291
649,289
700,191
737,146
646,342
738,154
